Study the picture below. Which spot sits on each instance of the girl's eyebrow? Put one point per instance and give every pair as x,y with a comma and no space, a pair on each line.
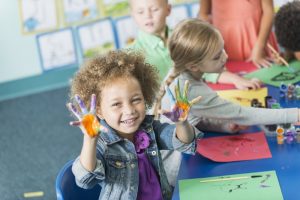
219,53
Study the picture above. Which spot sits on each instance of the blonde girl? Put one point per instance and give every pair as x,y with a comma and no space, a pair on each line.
196,47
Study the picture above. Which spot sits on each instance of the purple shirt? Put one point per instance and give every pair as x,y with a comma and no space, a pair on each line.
149,185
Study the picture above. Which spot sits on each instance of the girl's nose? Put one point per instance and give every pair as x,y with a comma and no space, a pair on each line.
148,14
129,110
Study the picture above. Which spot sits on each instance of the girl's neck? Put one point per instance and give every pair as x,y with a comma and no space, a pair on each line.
196,75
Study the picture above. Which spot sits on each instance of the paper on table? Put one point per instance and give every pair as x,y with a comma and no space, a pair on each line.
259,186
277,74
244,97
247,146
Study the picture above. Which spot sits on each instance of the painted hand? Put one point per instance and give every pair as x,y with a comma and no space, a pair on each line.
180,106
87,120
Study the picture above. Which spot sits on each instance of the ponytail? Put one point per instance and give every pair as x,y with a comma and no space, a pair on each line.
162,91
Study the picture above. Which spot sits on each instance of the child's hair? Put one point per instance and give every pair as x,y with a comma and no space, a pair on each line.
100,71
287,27
191,43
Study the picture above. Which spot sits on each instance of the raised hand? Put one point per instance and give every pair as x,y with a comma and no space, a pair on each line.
87,120
180,106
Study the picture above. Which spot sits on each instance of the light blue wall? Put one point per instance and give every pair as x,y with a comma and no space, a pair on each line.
18,53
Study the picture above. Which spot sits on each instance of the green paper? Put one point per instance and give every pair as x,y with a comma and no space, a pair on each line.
292,74
263,187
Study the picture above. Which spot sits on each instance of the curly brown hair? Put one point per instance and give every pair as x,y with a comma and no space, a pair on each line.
97,72
287,26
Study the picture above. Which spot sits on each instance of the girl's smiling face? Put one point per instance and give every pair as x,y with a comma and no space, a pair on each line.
123,105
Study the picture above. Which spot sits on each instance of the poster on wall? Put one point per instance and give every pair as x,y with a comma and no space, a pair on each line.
38,15
126,30
96,38
178,13
194,9
57,49
77,11
115,8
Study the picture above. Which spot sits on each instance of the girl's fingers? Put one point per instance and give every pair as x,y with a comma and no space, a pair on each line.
81,104
75,123
171,96
73,110
93,103
195,100
185,90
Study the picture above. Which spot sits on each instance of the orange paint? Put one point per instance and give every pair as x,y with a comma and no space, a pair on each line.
184,107
91,125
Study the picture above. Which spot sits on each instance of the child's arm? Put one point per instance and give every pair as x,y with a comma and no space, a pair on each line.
239,82
88,123
205,10
179,113
258,53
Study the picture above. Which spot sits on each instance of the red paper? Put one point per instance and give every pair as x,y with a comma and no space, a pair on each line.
247,146
237,67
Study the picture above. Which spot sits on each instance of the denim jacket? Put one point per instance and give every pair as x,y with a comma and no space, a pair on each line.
117,163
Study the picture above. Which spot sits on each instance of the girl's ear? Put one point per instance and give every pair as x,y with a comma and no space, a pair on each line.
192,68
169,9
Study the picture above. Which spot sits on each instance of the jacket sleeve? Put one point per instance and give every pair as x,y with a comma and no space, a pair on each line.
88,179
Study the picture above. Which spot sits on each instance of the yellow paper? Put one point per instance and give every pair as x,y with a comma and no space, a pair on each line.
244,97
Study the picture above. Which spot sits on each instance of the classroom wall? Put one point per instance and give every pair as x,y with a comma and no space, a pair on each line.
18,55
20,68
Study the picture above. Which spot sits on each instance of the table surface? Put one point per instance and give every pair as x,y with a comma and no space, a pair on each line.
285,161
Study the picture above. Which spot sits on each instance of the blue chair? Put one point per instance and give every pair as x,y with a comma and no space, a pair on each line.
66,188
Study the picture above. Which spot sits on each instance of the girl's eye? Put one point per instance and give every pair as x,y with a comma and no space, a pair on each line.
137,100
154,9
116,104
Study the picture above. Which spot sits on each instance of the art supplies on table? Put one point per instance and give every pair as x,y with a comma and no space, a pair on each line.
246,146
277,74
244,97
249,186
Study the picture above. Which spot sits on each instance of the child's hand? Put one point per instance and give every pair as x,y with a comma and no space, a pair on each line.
236,128
87,121
245,84
181,105
259,58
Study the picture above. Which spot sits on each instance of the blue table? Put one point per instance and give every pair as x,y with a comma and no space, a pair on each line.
285,161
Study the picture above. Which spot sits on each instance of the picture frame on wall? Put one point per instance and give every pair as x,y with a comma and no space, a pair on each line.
115,8
38,15
79,11
96,38
126,31
57,49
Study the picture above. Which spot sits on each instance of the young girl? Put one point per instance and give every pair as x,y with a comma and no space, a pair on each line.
245,26
121,153
196,47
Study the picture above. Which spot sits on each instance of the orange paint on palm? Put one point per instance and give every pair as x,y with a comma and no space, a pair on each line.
91,125
184,107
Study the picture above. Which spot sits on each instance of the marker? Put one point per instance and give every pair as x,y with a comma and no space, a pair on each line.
230,178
